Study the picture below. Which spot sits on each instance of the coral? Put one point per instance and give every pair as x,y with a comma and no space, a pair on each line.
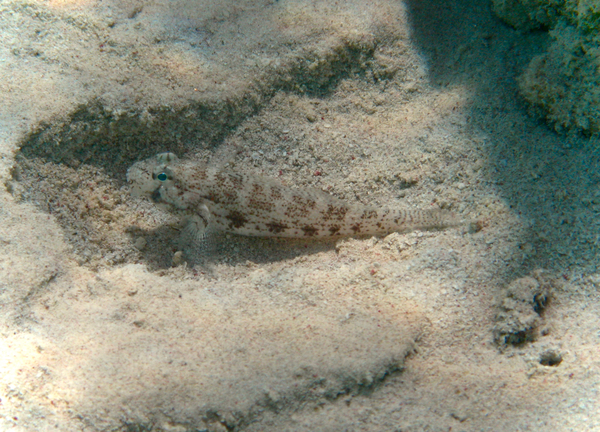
530,14
564,82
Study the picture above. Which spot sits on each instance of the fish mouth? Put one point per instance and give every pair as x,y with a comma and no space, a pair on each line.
155,197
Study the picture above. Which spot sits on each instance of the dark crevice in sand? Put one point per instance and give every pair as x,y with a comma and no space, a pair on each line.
112,140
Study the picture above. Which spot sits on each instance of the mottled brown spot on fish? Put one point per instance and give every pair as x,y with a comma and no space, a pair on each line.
309,231
276,227
334,212
334,229
369,214
236,219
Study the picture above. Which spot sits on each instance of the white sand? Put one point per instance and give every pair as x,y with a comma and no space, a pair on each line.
387,103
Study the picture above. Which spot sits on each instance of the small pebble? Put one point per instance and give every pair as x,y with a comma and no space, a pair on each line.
177,258
140,243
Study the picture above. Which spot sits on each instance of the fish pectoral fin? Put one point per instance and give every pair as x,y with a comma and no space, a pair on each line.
197,225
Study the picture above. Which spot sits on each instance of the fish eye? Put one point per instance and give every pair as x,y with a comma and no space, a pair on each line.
162,177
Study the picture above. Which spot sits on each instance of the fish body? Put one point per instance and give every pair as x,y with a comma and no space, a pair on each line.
260,206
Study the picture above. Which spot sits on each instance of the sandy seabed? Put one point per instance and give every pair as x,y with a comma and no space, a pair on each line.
106,325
